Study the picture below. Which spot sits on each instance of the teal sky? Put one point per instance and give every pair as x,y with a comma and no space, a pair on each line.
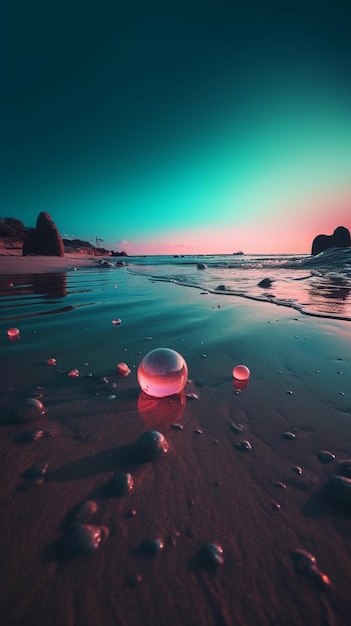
200,127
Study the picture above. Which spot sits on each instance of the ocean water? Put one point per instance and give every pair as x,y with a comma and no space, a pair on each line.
319,286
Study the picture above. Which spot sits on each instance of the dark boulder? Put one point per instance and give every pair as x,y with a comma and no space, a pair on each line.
339,239
45,239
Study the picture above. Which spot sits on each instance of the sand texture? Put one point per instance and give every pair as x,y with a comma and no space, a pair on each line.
259,505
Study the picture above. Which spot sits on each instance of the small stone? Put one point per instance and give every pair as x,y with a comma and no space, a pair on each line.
210,556
28,436
344,468
36,471
123,369
281,485
151,547
73,373
325,456
51,361
236,428
151,445
198,431
288,435
339,490
177,426
85,512
303,560
82,539
297,469
243,446
30,410
276,506
121,484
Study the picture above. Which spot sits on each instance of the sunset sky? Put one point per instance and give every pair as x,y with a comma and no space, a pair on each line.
179,127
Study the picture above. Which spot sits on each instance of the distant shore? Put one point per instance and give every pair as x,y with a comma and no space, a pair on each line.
14,263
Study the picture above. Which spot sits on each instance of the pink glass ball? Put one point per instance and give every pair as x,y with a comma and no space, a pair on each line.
162,372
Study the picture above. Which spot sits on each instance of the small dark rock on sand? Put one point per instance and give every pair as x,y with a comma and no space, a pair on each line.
121,484
210,556
151,445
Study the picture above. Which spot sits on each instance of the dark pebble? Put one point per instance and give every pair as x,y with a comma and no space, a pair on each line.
303,560
84,512
297,469
339,490
325,456
30,410
344,468
177,426
198,431
210,556
281,485
121,484
265,282
151,547
151,445
82,539
28,435
236,428
288,435
36,471
243,446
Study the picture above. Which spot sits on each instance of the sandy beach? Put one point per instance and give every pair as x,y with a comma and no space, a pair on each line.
261,504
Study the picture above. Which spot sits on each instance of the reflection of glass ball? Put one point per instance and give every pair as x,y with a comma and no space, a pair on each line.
241,372
162,372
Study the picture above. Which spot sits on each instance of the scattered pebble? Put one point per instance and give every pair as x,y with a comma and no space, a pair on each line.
276,506
198,431
306,563
30,409
73,373
151,547
289,435
243,446
192,396
289,392
151,445
123,369
36,471
281,485
325,456
51,361
177,426
210,556
236,428
297,469
85,512
112,397
117,321
82,539
121,484
28,436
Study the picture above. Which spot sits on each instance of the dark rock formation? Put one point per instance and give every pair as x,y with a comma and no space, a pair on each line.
339,239
45,239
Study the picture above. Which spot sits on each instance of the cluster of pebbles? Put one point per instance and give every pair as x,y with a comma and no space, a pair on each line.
82,537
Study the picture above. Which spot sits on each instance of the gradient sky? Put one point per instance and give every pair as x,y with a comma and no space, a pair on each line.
178,127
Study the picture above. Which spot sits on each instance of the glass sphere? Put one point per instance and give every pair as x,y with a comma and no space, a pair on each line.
162,372
241,372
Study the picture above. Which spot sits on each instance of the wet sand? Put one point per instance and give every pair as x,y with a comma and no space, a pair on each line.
18,264
259,505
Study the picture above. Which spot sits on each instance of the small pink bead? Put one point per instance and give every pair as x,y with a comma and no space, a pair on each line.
13,332
241,372
123,369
